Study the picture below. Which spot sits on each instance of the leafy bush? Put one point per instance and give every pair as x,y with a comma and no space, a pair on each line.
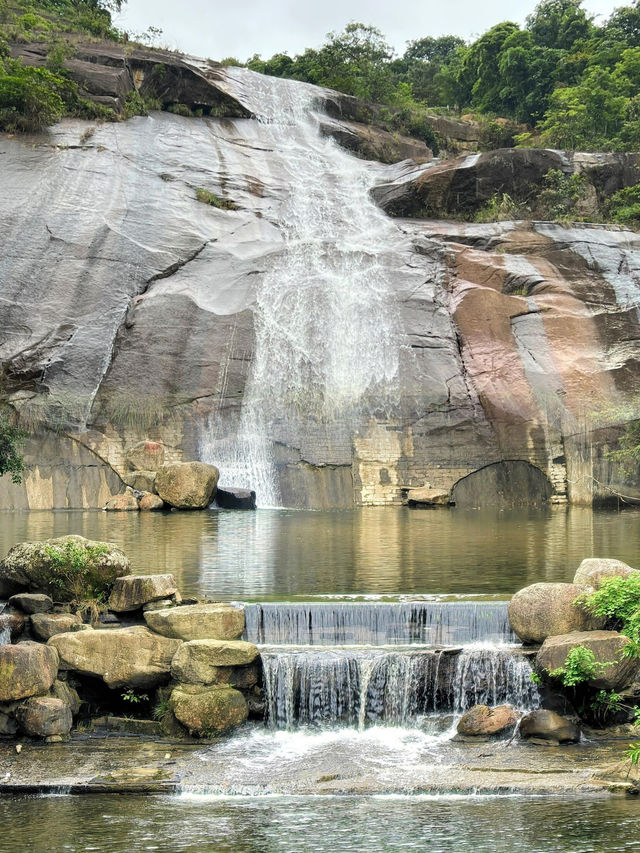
560,195
501,207
11,458
624,207
580,665
74,573
618,600
30,98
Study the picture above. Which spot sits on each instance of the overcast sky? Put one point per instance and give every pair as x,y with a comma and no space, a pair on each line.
240,28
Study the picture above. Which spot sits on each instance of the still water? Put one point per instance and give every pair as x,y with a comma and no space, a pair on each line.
319,824
285,554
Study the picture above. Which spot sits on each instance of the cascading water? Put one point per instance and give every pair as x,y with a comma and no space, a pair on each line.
380,623
326,348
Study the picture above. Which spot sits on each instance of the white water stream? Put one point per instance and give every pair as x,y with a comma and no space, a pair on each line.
326,347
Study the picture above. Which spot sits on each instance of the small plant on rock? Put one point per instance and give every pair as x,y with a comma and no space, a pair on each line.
72,576
580,665
207,197
618,600
133,697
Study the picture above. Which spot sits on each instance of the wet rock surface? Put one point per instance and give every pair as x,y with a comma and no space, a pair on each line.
27,669
547,609
44,717
208,711
198,622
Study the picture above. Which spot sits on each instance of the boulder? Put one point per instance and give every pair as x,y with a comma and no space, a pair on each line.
141,481
548,727
31,602
126,502
11,624
482,720
547,609
49,566
230,497
427,497
187,485
607,648
594,570
199,661
150,503
198,622
159,605
131,592
28,669
47,625
122,657
145,456
44,716
208,711
67,694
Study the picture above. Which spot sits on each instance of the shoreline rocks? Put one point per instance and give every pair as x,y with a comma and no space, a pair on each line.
131,592
548,728
548,609
187,485
615,672
198,622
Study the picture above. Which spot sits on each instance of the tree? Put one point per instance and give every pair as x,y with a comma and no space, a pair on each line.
11,459
481,72
423,61
559,23
624,25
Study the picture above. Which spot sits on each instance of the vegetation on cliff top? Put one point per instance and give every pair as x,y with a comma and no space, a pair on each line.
11,458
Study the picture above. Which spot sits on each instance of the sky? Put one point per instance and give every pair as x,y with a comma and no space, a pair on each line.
220,28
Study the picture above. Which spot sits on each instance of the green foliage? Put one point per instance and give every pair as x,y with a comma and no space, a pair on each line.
624,207
501,208
180,110
11,458
605,705
535,678
133,697
160,709
74,575
580,665
633,753
560,195
30,98
618,600
208,197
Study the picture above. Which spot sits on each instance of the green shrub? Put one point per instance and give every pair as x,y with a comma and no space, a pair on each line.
74,572
30,98
502,207
180,110
11,458
580,665
618,600
624,206
560,195
207,197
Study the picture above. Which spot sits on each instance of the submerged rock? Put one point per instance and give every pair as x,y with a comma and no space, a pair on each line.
482,720
427,497
547,609
44,716
43,566
199,661
31,602
28,669
121,657
617,671
47,625
198,622
595,569
187,485
150,502
548,727
232,498
131,592
208,711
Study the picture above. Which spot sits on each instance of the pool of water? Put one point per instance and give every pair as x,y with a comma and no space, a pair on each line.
320,824
285,554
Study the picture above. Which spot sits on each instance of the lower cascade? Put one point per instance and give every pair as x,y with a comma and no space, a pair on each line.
360,687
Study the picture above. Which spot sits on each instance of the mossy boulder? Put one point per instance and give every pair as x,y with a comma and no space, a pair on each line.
208,711
187,485
66,568
547,609
28,669
198,622
210,662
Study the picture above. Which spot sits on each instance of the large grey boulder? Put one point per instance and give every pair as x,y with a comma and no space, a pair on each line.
548,727
44,567
616,671
484,721
27,669
198,622
31,602
121,657
206,661
131,592
547,609
187,485
44,716
47,625
208,711
595,569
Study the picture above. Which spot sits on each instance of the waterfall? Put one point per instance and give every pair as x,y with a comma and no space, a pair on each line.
380,623
326,339
355,687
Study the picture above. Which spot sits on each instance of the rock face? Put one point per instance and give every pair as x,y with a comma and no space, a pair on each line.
132,657
31,602
142,481
617,673
145,457
482,720
594,570
548,727
46,625
187,485
199,661
44,716
34,565
198,622
502,342
208,711
547,609
28,669
131,592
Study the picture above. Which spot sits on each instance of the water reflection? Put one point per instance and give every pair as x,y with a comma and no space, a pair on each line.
376,550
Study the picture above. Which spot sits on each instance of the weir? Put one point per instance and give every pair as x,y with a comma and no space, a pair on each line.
380,623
